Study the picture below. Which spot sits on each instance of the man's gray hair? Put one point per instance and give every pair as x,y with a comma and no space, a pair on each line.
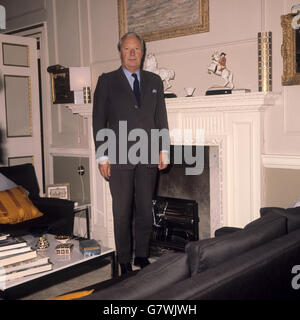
131,34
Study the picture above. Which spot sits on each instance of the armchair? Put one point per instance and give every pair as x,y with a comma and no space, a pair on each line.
58,214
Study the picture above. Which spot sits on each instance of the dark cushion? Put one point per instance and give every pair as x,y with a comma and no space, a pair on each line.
208,253
292,215
59,214
35,226
226,230
24,175
263,273
164,272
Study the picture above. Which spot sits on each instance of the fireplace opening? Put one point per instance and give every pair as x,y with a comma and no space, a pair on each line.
181,205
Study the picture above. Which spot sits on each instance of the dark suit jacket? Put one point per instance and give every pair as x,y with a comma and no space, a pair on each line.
114,101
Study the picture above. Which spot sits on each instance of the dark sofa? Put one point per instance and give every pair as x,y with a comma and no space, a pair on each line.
58,214
255,262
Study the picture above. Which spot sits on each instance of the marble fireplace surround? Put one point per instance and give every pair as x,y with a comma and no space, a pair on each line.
234,124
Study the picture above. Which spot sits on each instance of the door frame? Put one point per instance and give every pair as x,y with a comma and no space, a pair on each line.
40,31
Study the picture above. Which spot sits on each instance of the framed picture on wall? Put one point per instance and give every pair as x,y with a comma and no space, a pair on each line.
290,51
163,19
61,191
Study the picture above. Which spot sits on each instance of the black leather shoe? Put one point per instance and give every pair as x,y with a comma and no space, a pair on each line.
141,262
125,268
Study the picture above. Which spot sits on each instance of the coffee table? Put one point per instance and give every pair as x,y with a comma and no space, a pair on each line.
62,265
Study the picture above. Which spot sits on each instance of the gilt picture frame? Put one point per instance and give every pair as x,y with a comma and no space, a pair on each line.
155,21
59,190
290,51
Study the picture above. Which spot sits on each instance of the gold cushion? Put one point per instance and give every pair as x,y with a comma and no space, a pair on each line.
16,207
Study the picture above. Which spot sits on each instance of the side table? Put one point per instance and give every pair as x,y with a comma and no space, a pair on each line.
86,209
64,268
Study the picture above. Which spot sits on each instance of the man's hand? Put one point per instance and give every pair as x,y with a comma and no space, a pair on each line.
163,160
104,168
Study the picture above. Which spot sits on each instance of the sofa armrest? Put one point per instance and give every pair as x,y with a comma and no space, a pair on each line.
266,210
166,271
59,214
53,205
226,230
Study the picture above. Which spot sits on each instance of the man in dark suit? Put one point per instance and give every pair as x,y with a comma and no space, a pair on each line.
125,100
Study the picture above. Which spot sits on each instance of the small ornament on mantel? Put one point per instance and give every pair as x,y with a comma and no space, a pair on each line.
219,68
189,91
166,75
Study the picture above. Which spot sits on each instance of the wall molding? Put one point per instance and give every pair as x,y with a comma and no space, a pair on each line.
281,161
42,8
211,46
67,152
286,130
55,30
182,51
80,33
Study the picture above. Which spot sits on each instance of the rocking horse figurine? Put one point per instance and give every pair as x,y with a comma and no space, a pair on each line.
165,74
218,67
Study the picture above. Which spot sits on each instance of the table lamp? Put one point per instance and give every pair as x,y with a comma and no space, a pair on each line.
80,82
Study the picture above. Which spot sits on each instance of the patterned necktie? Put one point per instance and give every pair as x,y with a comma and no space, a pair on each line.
136,89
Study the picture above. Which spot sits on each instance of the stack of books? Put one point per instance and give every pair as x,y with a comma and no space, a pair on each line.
17,260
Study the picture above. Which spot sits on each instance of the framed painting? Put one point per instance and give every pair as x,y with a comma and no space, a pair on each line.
290,51
163,19
60,85
60,190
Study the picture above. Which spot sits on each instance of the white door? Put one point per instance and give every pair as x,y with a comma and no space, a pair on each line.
19,103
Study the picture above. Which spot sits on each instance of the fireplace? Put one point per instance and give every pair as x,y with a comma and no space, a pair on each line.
175,223
180,200
234,132
198,195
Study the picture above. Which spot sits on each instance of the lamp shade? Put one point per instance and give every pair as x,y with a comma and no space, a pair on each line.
80,77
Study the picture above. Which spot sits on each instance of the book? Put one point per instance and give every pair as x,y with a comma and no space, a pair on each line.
89,247
34,262
4,261
9,252
3,236
11,243
236,91
26,272
216,91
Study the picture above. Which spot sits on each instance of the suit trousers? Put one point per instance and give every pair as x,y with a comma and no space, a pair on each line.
132,192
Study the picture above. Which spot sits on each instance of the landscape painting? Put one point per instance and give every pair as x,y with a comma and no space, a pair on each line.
160,19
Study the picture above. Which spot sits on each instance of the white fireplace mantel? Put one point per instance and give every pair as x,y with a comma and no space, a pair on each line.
234,123
254,100
248,101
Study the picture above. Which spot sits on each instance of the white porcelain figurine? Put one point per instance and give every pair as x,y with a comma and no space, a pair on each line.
219,68
166,75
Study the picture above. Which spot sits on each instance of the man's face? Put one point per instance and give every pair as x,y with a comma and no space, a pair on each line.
131,54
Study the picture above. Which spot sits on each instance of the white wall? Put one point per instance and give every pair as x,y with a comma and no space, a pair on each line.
282,125
190,55
234,25
67,43
83,32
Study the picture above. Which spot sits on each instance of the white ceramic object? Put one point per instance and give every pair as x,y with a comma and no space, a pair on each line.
189,91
